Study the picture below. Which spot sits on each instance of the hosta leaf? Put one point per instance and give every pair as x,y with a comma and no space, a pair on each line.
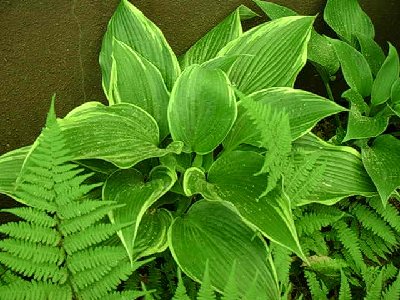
122,134
130,26
382,162
10,167
372,52
387,75
395,92
344,174
231,178
278,52
303,108
128,187
152,232
147,90
360,126
217,235
355,67
347,19
202,108
209,45
320,50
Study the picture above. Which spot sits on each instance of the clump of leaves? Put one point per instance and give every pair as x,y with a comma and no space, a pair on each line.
210,155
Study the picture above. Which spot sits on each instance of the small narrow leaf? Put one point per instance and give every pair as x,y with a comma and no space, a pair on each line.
382,162
355,67
387,75
202,109
347,19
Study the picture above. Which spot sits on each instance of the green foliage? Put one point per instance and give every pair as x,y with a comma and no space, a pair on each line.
210,167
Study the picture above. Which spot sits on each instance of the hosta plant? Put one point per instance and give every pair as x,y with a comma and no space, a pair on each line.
209,156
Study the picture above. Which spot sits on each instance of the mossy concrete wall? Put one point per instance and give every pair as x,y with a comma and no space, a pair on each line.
52,46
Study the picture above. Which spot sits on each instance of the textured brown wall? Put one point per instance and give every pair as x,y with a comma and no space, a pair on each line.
51,46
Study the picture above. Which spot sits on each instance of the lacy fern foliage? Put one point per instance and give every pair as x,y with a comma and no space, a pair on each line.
53,250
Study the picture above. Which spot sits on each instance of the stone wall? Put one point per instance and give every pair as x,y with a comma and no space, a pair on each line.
52,46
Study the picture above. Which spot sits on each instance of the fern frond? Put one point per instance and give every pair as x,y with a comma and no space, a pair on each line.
350,241
34,216
282,258
375,243
231,291
39,271
35,290
317,288
393,291
390,213
206,291
34,252
370,221
344,292
312,221
274,128
180,293
314,243
93,235
374,291
125,295
78,224
31,233
77,209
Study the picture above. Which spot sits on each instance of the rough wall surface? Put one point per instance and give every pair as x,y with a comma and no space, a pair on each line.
52,46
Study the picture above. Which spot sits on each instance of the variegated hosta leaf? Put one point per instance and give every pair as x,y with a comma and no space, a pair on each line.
10,167
129,187
209,45
344,174
123,134
130,26
355,68
387,75
212,233
303,108
232,178
277,49
320,50
382,161
138,81
202,108
360,125
152,232
347,19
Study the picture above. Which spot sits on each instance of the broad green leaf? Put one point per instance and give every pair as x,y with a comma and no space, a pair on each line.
202,108
10,167
344,174
131,27
320,50
152,232
347,19
304,109
278,52
209,45
223,63
372,52
129,187
355,67
148,90
387,75
122,134
361,126
232,178
217,235
382,162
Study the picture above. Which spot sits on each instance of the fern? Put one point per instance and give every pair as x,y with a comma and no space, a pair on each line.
180,293
231,291
393,291
344,292
390,214
54,248
206,291
374,286
275,137
317,288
